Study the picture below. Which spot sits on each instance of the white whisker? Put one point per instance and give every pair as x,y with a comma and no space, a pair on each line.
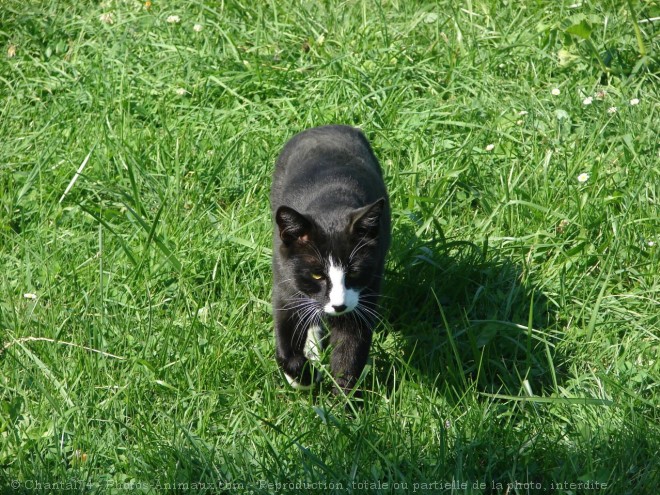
361,243
306,311
316,252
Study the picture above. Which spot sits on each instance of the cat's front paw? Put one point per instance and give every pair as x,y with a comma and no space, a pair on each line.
299,372
296,384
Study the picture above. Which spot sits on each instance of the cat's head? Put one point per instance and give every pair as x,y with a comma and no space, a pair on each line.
332,266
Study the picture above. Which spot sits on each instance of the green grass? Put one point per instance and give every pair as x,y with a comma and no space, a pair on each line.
519,350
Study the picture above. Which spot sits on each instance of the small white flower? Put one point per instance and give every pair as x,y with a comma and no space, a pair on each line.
107,18
174,19
181,91
583,177
29,295
430,17
650,243
634,101
555,92
519,122
203,314
523,113
612,110
490,147
587,101
197,28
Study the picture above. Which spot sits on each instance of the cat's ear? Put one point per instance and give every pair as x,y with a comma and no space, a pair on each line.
293,226
366,220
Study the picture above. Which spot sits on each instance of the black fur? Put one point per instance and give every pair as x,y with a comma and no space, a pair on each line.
328,198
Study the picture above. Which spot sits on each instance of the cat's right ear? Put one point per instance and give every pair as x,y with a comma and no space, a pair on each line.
293,226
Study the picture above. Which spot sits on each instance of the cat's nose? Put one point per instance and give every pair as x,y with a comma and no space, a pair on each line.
339,308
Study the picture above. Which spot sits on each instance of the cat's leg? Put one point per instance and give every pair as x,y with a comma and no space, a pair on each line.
350,339
295,347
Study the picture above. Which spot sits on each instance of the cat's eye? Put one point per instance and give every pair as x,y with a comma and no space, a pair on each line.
317,276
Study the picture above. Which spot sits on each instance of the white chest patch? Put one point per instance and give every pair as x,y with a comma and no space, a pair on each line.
314,343
341,299
312,350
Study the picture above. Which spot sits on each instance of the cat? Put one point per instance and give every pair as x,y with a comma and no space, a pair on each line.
331,234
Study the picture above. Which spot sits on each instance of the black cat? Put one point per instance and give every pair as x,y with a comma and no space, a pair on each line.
331,234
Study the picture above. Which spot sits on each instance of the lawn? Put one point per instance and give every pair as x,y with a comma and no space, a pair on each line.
519,348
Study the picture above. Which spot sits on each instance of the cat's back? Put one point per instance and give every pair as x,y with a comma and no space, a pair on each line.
329,160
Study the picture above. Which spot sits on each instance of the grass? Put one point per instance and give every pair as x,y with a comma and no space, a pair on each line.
519,351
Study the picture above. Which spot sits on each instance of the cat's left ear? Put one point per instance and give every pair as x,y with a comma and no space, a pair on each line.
293,226
366,220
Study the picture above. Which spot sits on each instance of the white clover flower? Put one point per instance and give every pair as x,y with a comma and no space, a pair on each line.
523,112
490,147
29,295
583,177
174,19
107,18
612,110
588,100
197,28
650,243
634,101
555,92
203,314
181,91
430,17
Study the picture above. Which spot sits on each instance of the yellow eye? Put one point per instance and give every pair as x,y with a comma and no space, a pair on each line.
317,276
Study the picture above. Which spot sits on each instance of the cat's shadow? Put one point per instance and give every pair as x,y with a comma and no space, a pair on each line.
462,315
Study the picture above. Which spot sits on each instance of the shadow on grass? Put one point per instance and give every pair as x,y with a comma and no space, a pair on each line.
466,320
467,317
